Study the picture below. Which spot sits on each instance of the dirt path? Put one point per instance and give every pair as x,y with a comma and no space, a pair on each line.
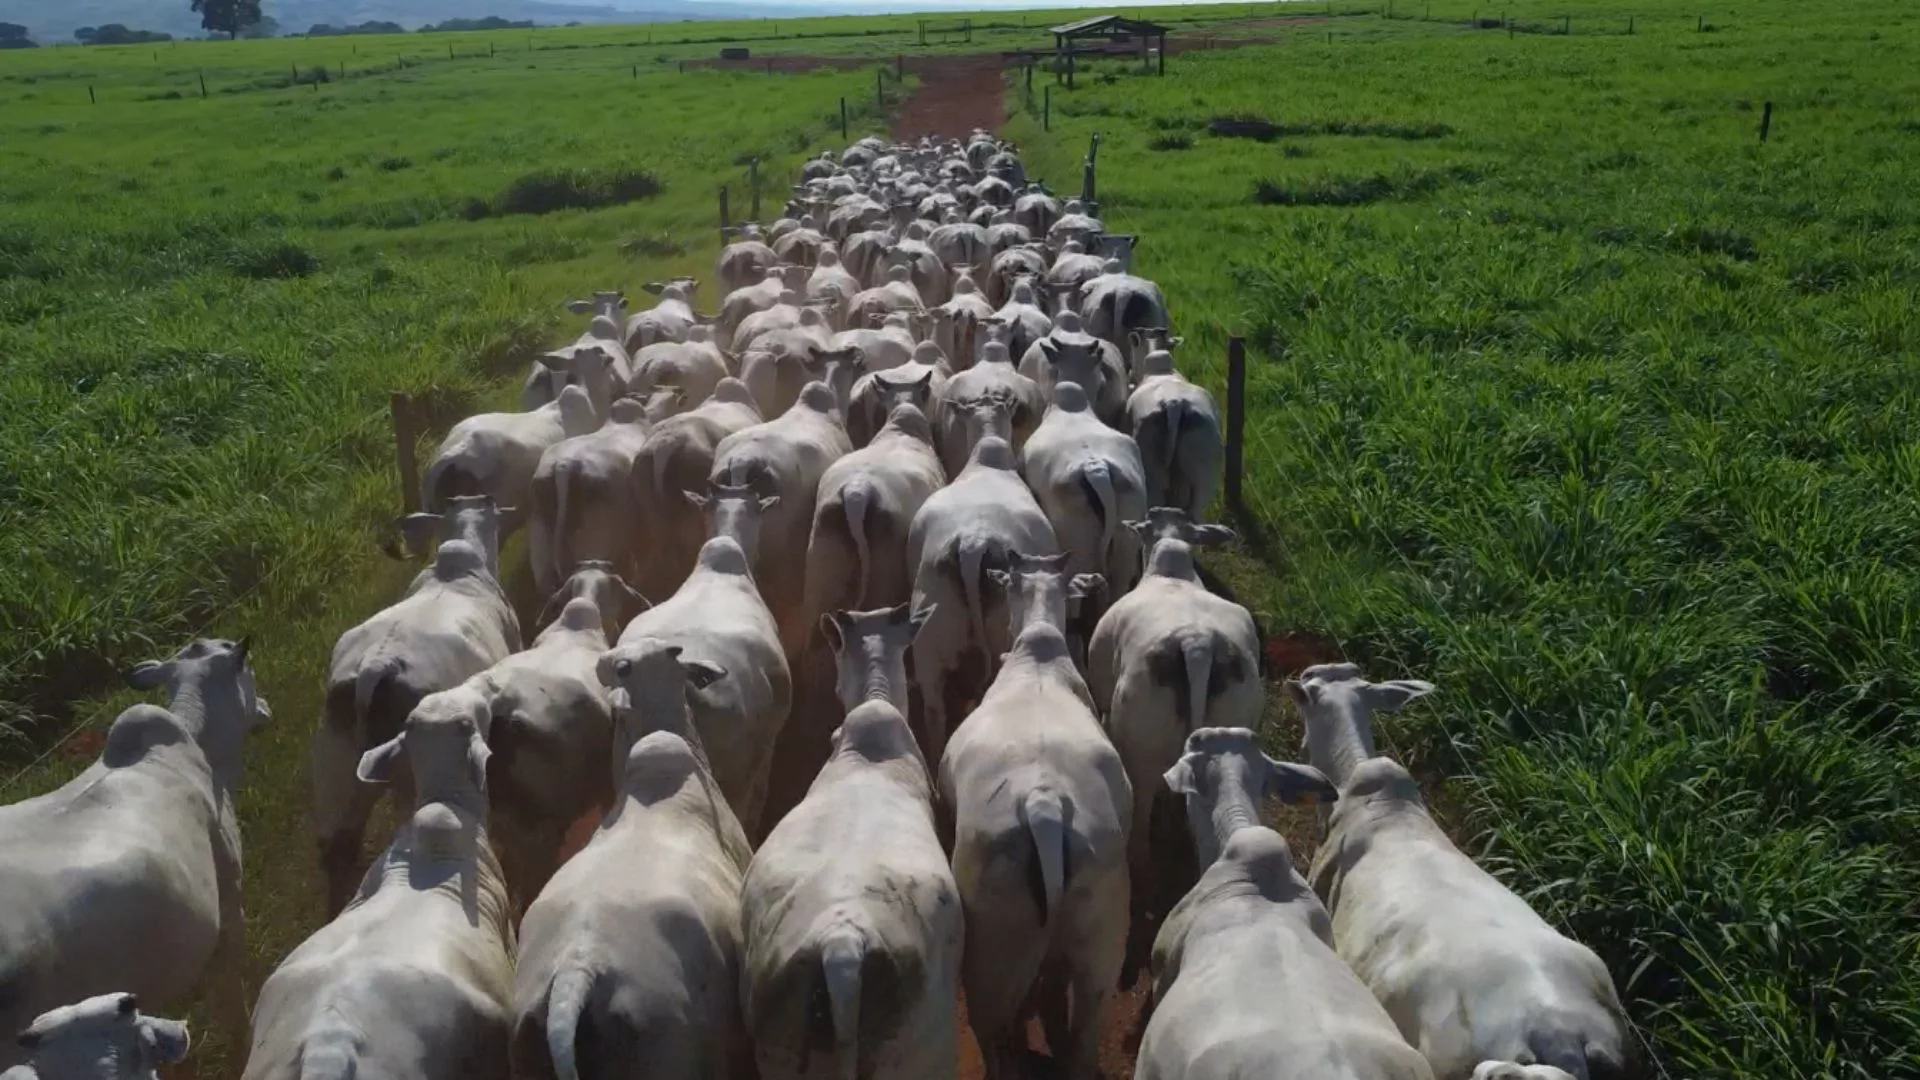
957,94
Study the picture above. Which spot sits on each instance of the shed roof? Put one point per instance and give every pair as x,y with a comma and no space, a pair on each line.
1104,23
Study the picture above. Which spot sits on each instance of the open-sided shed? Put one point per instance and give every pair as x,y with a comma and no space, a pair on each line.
1108,31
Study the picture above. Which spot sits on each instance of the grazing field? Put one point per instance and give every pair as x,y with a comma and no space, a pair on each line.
1565,392
1568,394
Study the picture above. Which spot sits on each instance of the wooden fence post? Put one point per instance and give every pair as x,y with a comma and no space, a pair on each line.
899,66
725,225
404,437
1046,111
843,118
753,178
1766,120
1089,193
91,100
880,88
1236,420
203,84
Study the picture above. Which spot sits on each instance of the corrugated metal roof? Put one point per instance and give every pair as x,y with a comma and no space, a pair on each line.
1109,22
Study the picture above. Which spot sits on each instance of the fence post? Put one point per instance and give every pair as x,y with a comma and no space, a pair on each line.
1089,194
1046,112
449,50
1766,120
880,88
203,84
843,118
403,445
753,177
1629,24
899,66
1566,25
1069,71
1236,420
91,100
724,224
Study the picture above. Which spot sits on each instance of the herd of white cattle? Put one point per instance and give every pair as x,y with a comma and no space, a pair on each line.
930,431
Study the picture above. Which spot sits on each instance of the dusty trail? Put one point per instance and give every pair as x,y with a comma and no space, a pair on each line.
956,95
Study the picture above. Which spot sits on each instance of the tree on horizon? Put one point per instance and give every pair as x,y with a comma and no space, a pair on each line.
227,17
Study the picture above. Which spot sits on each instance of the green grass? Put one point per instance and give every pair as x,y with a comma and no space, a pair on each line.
1564,393
203,303
1568,394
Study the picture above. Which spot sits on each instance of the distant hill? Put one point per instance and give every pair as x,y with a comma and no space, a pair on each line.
54,21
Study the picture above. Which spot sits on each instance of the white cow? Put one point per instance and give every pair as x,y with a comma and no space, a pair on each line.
1116,303
1089,480
415,977
888,344
1023,320
1177,426
127,877
744,261
852,923
785,458
874,397
777,375
1507,1070
1166,659
583,501
496,453
1068,354
956,323
551,739
1467,970
1040,805
972,525
895,293
747,299
453,623
833,284
102,1038
1245,979
694,366
856,549
677,457
629,962
718,619
671,318
976,402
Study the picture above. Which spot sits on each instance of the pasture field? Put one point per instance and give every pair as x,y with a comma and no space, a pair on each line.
1568,394
1565,393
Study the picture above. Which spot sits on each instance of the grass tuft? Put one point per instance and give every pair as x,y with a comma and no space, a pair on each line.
575,189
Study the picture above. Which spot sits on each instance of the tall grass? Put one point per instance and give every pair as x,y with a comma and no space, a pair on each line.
1600,414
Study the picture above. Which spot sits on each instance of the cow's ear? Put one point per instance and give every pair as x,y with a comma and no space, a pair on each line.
1081,586
701,674
1211,534
696,498
919,618
376,765
1390,696
831,629
1299,783
148,674
1180,779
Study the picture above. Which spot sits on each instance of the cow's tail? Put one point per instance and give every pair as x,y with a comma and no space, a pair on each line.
366,683
1176,417
566,1003
1198,652
842,954
973,552
1098,481
855,498
1046,825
